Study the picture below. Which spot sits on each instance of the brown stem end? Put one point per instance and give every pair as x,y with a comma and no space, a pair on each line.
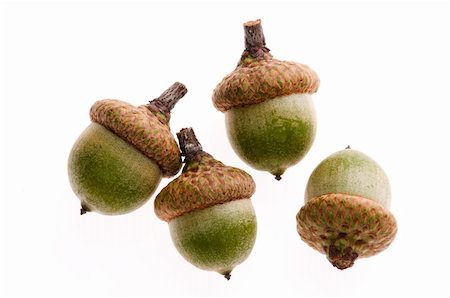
167,100
82,211
189,144
348,147
278,177
341,258
254,35
227,275
255,42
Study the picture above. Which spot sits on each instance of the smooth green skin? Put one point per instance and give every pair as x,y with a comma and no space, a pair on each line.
108,174
216,238
351,172
274,135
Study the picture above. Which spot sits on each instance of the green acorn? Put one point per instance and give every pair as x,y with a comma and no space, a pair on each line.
208,208
269,114
346,213
118,161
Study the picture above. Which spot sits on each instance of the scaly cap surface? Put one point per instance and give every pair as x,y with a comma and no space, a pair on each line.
259,77
345,227
145,127
204,182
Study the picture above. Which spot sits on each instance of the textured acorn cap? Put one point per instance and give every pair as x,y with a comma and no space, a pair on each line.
345,227
145,127
259,77
204,182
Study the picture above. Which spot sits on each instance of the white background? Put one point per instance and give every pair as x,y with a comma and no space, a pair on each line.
384,70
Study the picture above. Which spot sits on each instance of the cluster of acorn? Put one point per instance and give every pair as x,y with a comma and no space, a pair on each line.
119,160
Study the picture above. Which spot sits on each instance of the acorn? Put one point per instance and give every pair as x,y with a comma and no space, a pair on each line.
211,218
269,115
118,161
346,213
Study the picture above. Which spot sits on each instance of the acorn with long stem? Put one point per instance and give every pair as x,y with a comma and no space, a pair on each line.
118,161
211,218
269,115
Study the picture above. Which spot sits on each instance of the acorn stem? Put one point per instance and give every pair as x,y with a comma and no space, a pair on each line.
82,211
227,275
189,144
341,258
255,42
167,100
348,147
254,35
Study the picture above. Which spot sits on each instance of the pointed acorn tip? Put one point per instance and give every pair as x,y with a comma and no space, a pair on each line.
82,211
278,177
348,147
227,275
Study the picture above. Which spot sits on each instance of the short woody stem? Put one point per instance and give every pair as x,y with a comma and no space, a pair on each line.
341,255
167,100
189,144
254,36
255,43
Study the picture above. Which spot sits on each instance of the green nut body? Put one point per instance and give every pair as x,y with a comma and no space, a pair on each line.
273,135
108,174
350,172
217,238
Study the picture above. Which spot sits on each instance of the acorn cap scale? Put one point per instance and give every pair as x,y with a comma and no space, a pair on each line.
145,127
205,182
259,77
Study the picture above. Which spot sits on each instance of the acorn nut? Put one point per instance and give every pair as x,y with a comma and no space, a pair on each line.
118,161
346,213
270,118
211,218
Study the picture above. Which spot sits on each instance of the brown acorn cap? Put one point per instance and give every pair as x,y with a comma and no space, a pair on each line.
345,227
145,127
259,77
205,182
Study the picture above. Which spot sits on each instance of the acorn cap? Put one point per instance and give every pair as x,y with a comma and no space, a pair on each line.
259,77
345,227
205,182
145,127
